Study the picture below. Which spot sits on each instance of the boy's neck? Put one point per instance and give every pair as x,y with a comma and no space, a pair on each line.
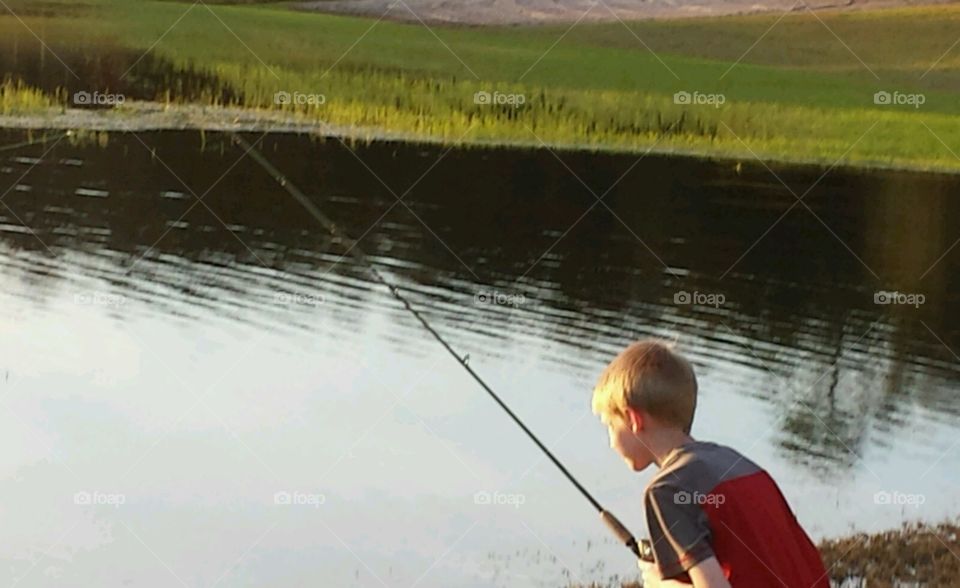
665,441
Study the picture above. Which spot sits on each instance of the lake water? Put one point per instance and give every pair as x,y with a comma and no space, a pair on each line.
207,393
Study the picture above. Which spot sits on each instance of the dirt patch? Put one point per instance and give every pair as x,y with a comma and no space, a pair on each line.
516,12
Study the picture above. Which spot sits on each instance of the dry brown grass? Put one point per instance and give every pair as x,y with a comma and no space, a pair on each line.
916,555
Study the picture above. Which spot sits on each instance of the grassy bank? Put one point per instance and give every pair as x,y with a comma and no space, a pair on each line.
916,555
805,91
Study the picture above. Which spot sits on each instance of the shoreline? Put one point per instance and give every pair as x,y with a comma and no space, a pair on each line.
599,93
138,116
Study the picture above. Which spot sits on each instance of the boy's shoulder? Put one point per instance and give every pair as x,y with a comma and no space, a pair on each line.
709,500
700,466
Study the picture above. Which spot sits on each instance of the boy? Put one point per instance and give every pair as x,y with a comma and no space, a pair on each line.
716,520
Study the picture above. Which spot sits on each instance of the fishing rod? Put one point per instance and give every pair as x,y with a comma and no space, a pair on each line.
642,550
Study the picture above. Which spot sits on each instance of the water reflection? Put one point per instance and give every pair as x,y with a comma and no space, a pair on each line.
799,305
797,361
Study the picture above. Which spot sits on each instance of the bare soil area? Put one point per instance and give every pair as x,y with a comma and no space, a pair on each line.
525,12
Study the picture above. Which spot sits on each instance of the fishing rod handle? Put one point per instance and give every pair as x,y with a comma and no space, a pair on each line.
643,551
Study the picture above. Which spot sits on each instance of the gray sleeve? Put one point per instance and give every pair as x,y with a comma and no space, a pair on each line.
679,529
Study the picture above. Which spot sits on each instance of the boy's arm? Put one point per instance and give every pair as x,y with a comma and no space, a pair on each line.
679,530
706,574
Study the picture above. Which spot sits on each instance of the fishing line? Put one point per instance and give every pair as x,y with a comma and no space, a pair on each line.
30,142
642,551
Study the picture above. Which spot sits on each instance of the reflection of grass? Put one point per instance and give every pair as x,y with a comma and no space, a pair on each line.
798,94
915,555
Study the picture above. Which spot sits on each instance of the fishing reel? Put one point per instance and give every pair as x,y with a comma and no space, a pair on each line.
643,550
646,551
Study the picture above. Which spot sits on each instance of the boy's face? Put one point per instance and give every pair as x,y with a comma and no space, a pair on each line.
626,434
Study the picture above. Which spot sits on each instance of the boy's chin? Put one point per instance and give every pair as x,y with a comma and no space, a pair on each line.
638,465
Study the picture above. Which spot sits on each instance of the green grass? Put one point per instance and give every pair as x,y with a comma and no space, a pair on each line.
804,92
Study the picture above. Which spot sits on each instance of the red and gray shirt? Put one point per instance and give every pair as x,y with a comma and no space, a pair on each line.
708,500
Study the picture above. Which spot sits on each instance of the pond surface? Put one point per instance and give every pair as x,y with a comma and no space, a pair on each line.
208,393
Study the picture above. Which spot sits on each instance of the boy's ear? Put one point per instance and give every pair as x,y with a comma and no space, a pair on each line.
635,420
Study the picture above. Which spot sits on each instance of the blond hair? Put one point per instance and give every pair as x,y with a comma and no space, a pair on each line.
649,376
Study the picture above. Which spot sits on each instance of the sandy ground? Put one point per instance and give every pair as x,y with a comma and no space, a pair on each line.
513,12
142,116
151,116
